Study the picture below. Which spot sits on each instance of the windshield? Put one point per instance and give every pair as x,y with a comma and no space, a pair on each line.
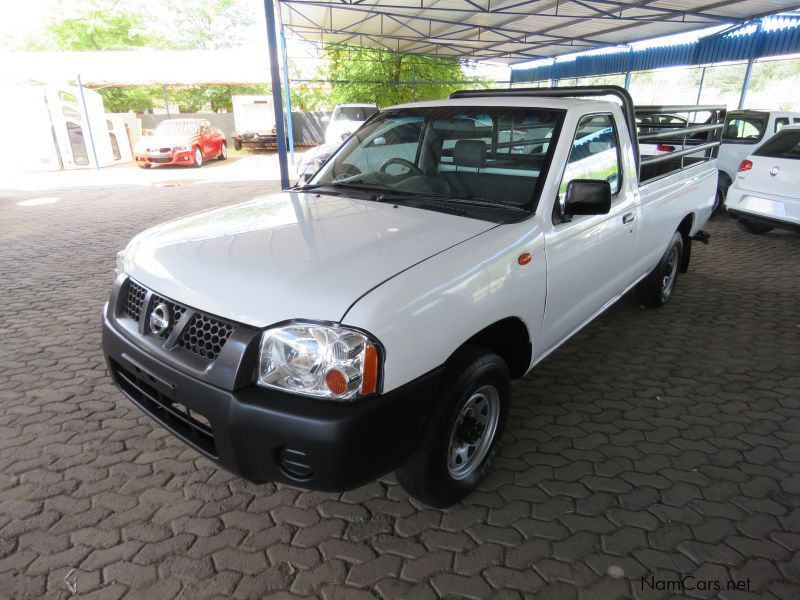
741,128
354,113
495,155
177,127
786,144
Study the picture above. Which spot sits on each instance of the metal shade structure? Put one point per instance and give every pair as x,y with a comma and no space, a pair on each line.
509,31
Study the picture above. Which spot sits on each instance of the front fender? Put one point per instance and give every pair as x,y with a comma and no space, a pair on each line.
423,315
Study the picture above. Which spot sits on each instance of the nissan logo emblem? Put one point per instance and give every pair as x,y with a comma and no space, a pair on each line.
160,319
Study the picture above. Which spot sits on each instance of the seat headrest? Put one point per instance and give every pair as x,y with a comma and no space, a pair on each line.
470,153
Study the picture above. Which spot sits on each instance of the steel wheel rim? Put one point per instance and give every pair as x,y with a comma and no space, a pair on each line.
224,151
671,270
198,158
473,432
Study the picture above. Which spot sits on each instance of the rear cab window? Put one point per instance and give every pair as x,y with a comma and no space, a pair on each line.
779,123
785,144
744,129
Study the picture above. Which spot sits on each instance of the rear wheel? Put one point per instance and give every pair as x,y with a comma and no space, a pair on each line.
198,158
752,227
656,289
719,203
462,430
223,151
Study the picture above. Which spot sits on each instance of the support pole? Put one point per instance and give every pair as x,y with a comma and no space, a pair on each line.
288,96
166,102
754,50
275,79
700,88
88,123
746,83
413,80
630,66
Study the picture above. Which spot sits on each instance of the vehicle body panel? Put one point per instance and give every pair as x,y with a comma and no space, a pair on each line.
275,258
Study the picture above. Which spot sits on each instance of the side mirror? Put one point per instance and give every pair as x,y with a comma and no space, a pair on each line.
587,197
379,141
325,119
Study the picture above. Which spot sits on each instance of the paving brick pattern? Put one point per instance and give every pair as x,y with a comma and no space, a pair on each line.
655,444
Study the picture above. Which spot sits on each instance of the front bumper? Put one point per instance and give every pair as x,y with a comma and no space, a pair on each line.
185,157
268,435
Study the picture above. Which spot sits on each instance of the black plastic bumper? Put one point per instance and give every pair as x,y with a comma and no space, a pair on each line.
762,220
268,435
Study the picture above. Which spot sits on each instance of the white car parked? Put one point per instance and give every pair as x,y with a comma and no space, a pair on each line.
372,320
345,119
746,130
766,191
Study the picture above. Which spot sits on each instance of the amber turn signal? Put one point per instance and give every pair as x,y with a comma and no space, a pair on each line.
525,258
369,384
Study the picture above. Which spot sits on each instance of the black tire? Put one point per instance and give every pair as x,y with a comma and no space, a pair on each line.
198,158
223,151
752,227
427,474
719,204
144,166
656,289
237,144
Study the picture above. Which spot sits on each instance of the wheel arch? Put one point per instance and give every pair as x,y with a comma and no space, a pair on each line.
508,338
685,229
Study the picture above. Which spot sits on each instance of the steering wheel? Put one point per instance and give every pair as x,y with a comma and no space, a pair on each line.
402,162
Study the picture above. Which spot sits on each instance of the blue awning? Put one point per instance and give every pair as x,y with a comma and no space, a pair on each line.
769,36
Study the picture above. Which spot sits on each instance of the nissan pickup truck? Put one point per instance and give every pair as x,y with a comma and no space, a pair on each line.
372,319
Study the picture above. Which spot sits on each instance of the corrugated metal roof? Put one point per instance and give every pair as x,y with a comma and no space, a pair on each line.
769,36
509,30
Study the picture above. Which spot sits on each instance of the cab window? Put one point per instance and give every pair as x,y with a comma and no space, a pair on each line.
744,129
780,122
594,154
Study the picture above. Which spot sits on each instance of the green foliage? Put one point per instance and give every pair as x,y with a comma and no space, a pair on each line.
374,75
212,98
208,24
137,99
98,25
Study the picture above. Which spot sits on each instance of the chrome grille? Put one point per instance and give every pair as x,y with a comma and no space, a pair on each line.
175,310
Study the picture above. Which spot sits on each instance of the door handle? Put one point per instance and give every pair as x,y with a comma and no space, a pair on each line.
628,218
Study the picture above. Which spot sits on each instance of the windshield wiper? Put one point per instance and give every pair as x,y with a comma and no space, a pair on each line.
474,201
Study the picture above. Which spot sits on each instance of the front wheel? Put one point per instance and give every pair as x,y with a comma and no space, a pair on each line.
223,151
752,227
656,289
198,158
462,430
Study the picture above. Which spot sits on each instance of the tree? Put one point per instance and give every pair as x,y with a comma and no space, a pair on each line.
375,75
99,25
209,24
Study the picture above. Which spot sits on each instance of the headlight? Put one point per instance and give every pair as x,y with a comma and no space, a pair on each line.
120,268
326,361
182,148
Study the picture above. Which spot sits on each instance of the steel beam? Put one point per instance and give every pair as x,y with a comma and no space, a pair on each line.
275,80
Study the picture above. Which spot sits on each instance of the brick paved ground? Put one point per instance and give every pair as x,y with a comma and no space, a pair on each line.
656,443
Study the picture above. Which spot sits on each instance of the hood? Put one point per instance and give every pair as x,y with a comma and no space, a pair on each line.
289,256
164,141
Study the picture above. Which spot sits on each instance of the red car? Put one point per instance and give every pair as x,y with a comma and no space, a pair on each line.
181,142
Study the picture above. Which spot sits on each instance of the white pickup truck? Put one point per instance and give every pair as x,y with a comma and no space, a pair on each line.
372,319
